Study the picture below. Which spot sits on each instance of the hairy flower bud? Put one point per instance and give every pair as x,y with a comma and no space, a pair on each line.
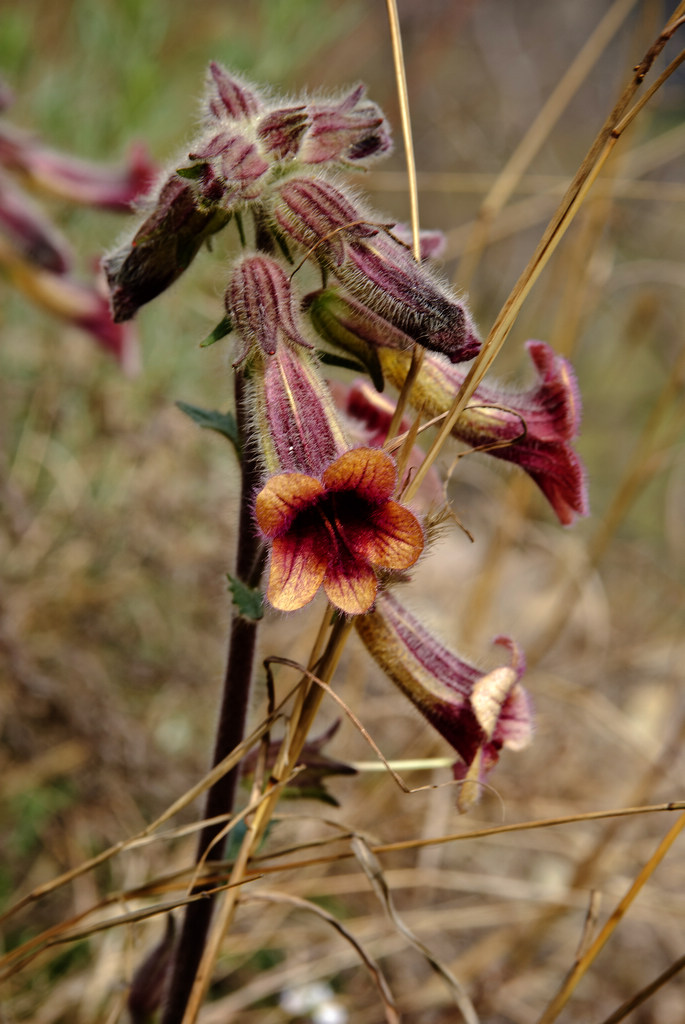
377,269
295,421
281,131
351,132
476,713
228,98
162,248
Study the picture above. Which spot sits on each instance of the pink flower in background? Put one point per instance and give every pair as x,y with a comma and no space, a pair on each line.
78,181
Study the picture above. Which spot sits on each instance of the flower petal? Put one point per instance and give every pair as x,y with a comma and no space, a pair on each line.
282,498
369,472
393,540
298,566
351,586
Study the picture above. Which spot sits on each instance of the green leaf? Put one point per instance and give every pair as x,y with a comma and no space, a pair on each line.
223,328
210,419
249,602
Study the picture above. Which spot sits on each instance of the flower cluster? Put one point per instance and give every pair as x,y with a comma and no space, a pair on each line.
35,256
329,503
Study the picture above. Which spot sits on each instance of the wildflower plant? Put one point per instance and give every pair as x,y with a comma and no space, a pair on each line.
340,495
324,474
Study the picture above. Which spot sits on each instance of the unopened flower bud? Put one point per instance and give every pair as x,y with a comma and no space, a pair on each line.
377,269
295,419
353,131
228,98
281,131
161,249
230,166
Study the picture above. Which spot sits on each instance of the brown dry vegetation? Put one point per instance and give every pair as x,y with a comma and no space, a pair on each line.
118,521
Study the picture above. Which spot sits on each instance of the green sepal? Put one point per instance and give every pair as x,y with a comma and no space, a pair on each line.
192,173
248,601
331,359
223,328
210,419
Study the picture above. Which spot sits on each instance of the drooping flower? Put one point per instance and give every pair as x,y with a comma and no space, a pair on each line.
532,428
476,713
336,530
377,269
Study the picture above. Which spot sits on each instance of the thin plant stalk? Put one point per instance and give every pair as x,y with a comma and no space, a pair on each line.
529,146
230,731
290,752
585,961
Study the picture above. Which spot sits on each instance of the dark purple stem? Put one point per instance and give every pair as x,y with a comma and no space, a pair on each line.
220,798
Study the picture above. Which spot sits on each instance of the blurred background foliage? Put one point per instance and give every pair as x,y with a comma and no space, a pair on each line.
117,516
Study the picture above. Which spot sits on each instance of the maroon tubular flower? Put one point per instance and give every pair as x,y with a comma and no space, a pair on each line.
163,246
352,131
228,98
29,233
533,428
80,181
378,270
477,714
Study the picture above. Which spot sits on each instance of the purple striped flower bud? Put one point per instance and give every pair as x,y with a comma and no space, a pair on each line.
163,246
228,168
353,131
377,269
478,714
228,98
280,131
532,428
295,420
